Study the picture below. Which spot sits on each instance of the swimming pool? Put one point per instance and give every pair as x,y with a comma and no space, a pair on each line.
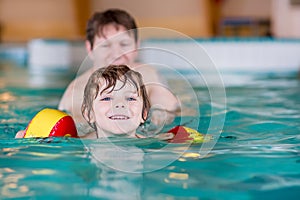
256,157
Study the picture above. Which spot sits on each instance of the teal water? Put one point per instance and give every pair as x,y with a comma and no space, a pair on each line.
256,157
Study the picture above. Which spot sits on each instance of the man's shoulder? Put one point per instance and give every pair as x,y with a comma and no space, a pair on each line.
145,69
80,79
143,66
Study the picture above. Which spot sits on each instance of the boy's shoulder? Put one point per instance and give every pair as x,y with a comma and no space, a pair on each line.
80,80
91,135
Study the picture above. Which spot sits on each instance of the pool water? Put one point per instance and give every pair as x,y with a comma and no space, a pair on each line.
256,157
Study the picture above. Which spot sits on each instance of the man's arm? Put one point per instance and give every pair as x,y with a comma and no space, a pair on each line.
65,103
164,104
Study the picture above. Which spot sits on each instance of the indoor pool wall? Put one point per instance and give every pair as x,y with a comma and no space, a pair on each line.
237,54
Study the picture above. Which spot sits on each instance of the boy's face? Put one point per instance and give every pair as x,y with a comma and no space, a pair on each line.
118,112
113,47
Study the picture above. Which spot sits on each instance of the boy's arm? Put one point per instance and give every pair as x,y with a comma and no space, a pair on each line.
20,134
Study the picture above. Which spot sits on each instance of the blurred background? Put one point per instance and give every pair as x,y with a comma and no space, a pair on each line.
237,34
21,21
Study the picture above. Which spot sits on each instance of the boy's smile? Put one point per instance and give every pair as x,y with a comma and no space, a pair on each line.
119,117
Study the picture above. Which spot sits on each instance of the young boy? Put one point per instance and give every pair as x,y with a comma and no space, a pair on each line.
115,102
112,38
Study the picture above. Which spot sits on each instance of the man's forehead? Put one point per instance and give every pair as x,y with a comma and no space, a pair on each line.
114,31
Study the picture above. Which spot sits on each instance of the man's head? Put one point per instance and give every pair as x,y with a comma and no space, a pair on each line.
112,38
114,17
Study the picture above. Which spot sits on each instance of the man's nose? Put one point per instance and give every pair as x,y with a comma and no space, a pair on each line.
117,51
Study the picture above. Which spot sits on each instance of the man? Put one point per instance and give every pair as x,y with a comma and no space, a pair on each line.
112,38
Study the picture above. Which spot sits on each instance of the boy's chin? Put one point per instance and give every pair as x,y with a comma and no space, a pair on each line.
123,132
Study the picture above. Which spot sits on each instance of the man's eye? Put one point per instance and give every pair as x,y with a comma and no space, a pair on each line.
104,45
125,44
106,99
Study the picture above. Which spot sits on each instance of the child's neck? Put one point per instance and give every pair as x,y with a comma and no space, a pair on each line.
104,134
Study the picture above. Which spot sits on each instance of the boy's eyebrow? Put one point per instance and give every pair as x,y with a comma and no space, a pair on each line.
133,92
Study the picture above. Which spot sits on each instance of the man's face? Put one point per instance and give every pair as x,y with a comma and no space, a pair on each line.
114,46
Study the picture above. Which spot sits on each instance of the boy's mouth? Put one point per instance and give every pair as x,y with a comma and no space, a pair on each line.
119,117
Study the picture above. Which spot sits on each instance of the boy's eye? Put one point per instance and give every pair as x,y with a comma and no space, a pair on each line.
131,99
106,99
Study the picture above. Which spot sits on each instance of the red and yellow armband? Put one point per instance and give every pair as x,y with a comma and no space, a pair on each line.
183,134
51,123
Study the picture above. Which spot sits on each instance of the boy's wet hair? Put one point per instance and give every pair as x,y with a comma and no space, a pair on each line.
110,75
115,17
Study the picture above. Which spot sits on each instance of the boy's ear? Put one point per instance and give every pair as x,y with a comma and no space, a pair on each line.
145,115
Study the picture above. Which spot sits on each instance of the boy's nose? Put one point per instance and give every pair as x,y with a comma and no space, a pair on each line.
120,105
